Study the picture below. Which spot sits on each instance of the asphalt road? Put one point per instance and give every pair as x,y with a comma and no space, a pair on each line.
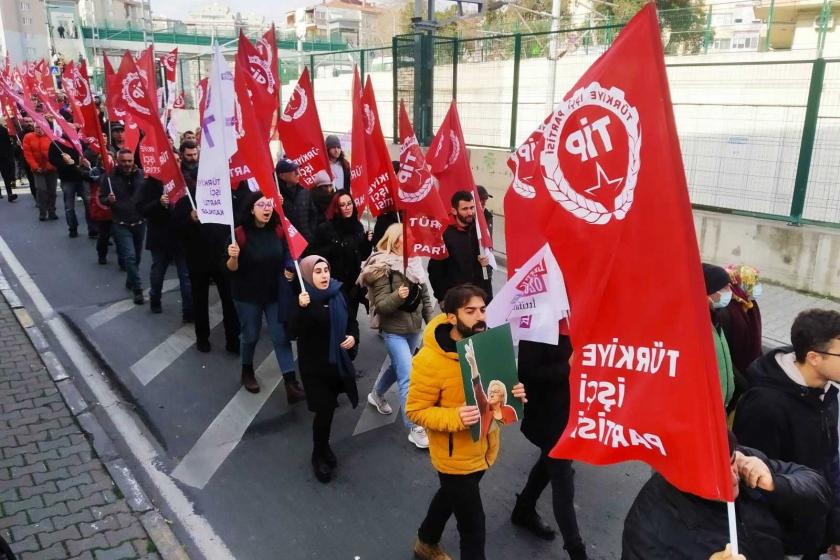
244,459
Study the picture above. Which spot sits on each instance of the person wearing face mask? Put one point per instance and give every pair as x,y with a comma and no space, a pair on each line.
436,401
261,269
342,240
325,333
741,320
719,294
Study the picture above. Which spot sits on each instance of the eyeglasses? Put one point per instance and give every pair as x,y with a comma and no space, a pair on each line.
827,353
266,204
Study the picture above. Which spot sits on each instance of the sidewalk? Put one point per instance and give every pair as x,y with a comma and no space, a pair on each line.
57,499
780,306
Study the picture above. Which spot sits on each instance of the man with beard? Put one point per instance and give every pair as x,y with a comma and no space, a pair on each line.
204,244
465,263
436,402
122,192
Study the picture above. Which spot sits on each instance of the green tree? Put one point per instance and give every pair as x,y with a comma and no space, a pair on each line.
683,22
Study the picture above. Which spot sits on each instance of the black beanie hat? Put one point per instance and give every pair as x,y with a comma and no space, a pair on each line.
716,278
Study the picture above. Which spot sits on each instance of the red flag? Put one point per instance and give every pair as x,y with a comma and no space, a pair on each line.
263,83
380,172
255,154
69,90
424,214
92,128
267,47
300,131
156,154
179,102
146,66
116,111
358,167
527,204
169,62
448,157
201,93
644,378
44,82
71,135
37,117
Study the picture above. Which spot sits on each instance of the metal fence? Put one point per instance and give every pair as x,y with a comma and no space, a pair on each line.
760,131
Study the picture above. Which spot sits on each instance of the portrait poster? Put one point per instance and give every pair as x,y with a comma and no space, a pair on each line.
488,371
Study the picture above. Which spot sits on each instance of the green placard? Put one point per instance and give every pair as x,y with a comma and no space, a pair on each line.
491,389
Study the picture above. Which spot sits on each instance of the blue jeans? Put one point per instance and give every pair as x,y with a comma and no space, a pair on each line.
400,349
70,190
250,323
129,241
161,259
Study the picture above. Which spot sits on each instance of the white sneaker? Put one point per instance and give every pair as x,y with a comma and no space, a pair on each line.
380,403
417,436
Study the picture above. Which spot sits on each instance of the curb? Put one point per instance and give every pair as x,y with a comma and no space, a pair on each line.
156,526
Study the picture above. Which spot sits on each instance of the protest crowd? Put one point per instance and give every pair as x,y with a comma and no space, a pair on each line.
314,242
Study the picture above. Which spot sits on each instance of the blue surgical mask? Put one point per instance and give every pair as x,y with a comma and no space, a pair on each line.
757,291
725,298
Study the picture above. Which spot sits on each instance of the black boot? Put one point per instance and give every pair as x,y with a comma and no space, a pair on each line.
577,552
294,391
330,457
320,466
528,518
249,380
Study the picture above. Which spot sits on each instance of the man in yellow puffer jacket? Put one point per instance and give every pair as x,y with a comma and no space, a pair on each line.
436,402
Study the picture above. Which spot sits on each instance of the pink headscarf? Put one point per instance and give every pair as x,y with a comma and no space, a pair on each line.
307,266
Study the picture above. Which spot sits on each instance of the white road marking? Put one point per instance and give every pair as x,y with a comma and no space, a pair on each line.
161,357
370,418
220,438
196,526
116,309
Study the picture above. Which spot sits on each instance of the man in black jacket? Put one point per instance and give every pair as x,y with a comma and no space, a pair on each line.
205,247
8,154
465,263
790,412
664,522
123,192
297,201
27,125
74,172
544,369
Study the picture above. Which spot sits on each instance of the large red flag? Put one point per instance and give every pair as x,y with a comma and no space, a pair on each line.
263,83
70,93
38,118
300,131
156,154
116,112
169,62
380,172
255,154
146,66
78,85
644,378
424,214
448,157
201,93
358,165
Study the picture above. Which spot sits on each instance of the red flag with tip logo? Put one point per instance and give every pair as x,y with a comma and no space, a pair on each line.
263,85
644,380
169,62
358,164
77,78
156,155
116,112
380,171
424,214
447,155
300,131
253,149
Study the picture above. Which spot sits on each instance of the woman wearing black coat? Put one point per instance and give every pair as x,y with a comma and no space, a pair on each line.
325,332
343,242
544,369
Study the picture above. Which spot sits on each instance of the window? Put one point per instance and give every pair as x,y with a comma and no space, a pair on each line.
745,43
722,44
24,6
26,20
739,20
